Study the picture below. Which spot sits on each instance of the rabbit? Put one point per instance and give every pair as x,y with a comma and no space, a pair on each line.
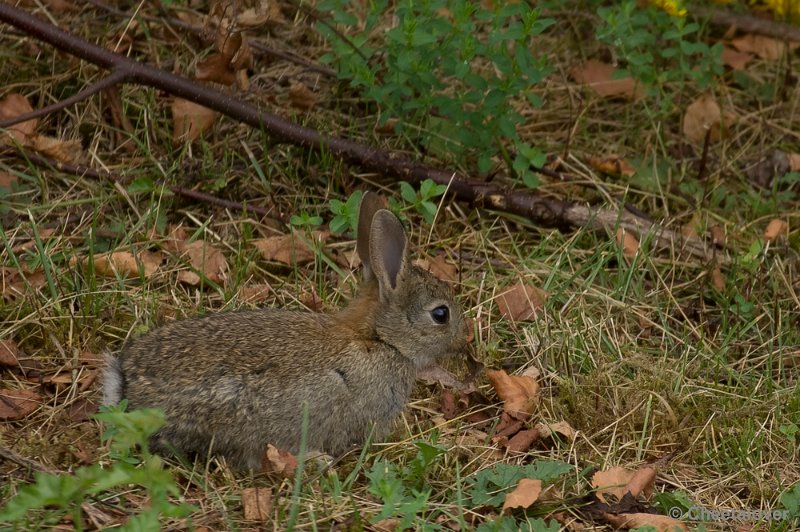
233,382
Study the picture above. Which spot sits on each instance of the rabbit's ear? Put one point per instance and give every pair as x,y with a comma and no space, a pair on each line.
370,204
387,250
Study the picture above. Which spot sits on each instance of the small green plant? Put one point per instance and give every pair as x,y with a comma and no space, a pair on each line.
791,501
403,490
57,495
305,220
660,50
450,66
421,200
489,487
345,219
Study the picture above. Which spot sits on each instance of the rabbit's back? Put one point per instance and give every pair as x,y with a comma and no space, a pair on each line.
234,381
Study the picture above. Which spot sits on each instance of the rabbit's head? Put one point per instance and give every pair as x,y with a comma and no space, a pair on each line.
417,313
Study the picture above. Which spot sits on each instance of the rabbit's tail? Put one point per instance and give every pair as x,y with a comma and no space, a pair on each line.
113,381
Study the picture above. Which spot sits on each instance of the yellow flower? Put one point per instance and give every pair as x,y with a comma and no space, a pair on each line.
673,7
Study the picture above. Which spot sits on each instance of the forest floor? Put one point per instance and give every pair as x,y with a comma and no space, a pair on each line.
644,356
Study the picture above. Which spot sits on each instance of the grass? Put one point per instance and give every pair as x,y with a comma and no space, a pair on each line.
643,356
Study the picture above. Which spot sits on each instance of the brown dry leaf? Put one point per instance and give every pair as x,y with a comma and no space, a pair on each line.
255,293
794,162
764,47
91,359
618,481
15,105
65,151
278,461
190,120
547,430
257,503
717,235
265,11
612,165
287,249
81,410
439,267
521,301
734,59
7,180
14,282
60,6
301,96
642,481
717,279
124,263
691,228
520,393
16,404
526,493
389,524
216,68
204,258
599,77
612,482
522,441
436,374
776,229
9,353
662,523
702,115
628,243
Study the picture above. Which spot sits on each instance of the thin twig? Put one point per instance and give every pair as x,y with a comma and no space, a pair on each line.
749,23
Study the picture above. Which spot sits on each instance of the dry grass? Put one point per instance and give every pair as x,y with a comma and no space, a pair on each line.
643,357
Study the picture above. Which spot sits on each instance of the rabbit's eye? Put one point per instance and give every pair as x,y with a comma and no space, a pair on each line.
440,314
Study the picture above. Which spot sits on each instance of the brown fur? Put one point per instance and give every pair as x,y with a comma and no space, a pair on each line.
231,383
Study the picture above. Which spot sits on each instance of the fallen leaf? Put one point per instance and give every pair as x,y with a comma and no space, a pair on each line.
60,6
794,162
735,59
278,461
450,405
288,249
265,11
9,353
702,115
612,165
301,96
257,503
204,258
520,393
775,229
91,359
628,243
599,76
216,68
526,493
436,374
691,228
717,279
15,282
439,267
764,47
617,481
521,301
522,441
65,151
16,404
190,120
506,428
124,263
548,430
717,235
12,106
255,293
7,180
611,482
661,523
81,410
389,524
